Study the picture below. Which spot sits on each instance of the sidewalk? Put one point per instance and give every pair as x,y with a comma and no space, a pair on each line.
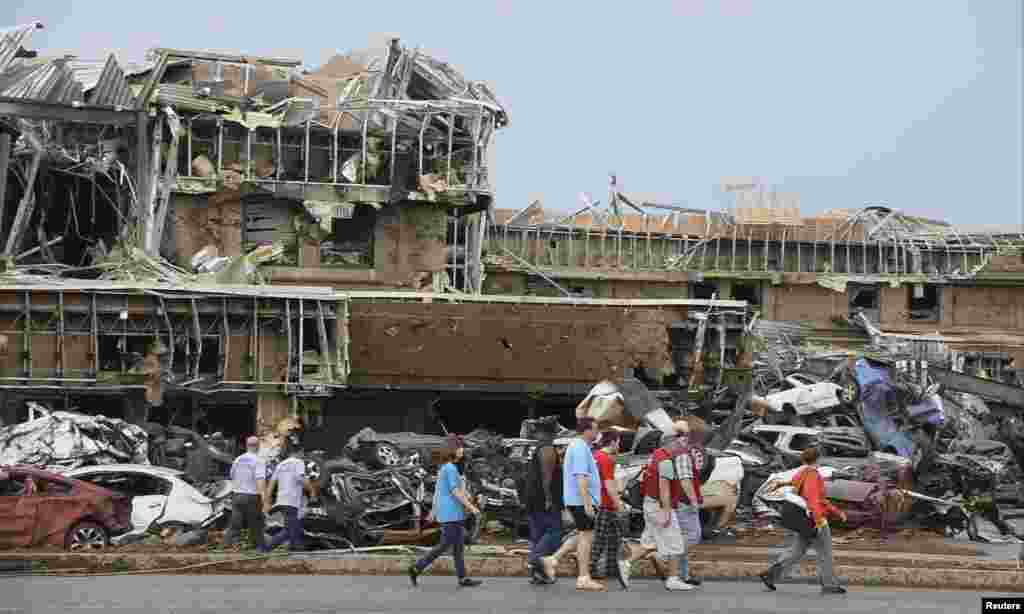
865,568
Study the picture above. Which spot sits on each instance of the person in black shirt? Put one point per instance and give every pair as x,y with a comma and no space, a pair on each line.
542,494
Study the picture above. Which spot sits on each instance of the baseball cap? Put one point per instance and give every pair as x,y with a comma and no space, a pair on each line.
252,440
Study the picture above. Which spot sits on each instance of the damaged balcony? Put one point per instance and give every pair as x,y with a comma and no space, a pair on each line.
340,134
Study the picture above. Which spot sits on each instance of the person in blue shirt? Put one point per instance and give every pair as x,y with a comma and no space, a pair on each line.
451,505
581,492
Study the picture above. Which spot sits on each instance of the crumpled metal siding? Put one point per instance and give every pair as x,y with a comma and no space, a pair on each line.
53,82
13,39
106,86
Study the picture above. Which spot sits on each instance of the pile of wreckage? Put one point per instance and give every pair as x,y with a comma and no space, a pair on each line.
903,444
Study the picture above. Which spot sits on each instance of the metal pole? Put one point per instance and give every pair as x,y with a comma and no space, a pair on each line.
365,164
451,135
306,152
394,150
5,157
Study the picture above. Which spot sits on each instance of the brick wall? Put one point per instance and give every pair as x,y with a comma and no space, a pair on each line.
433,343
804,303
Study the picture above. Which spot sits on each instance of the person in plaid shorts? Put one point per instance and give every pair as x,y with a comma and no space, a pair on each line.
606,555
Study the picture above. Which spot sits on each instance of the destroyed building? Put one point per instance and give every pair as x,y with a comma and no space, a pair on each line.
906,274
225,240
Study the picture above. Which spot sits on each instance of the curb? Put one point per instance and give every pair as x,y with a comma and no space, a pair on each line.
949,576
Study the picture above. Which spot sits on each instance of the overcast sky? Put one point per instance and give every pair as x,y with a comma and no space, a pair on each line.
915,104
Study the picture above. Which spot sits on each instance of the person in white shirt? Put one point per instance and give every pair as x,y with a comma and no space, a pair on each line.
292,485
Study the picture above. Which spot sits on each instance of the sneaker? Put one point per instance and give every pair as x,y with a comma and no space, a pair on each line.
675,584
833,590
414,575
547,564
624,571
469,582
766,578
694,580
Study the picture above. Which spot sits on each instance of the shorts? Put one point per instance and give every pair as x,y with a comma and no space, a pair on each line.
689,523
580,518
668,540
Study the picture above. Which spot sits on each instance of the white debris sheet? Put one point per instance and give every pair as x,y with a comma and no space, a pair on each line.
63,440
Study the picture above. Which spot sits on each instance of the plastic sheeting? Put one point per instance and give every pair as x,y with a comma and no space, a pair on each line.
877,395
67,440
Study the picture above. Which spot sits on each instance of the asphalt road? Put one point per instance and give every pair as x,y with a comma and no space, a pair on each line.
332,594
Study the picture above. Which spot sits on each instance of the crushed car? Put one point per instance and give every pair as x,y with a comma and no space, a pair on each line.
162,498
40,508
66,440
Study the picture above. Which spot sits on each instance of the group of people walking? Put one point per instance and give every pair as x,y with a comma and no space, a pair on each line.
580,482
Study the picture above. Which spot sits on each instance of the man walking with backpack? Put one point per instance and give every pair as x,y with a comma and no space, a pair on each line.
542,497
662,495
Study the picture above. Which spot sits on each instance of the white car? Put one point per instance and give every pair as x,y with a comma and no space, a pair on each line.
804,396
161,497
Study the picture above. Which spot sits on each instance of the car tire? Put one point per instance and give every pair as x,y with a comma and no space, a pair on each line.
385,455
86,535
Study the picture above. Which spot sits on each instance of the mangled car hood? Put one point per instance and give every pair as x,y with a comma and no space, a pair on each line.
68,440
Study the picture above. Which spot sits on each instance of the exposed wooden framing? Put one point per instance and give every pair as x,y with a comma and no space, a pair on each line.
161,205
170,333
305,154
60,334
28,201
94,333
325,356
225,342
123,318
198,334
5,158
254,348
26,337
288,328
302,332
343,357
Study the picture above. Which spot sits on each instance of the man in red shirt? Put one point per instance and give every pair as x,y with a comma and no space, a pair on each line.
605,557
809,485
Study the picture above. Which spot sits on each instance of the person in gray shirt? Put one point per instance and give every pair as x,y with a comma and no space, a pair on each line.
292,485
249,483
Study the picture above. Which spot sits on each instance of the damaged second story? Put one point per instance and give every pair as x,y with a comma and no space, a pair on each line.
369,172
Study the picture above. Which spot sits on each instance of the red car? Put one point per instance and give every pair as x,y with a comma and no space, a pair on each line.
39,508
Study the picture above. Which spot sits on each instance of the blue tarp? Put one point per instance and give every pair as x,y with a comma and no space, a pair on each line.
877,396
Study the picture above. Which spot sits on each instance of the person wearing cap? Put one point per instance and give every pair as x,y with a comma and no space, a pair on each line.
291,484
606,556
451,502
249,484
581,491
662,492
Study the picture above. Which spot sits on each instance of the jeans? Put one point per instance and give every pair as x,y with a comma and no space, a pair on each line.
822,544
246,512
453,535
292,532
545,534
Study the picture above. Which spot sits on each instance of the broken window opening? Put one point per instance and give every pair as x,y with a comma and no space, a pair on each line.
235,145
263,149
209,357
751,293
293,154
863,297
704,290
321,155
351,241
801,442
923,302
204,148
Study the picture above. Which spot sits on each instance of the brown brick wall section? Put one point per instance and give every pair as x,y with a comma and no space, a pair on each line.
804,303
405,343
214,220
986,307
